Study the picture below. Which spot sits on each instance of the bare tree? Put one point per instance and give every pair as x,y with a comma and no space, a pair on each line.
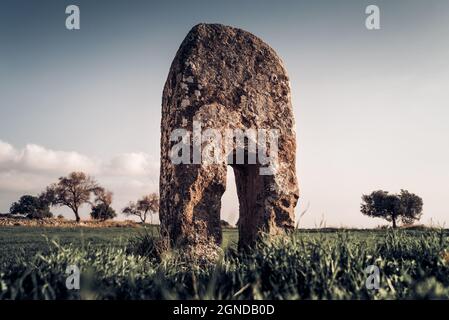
148,204
73,191
103,196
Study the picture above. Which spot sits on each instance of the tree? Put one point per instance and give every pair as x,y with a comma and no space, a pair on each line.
103,196
101,209
141,208
32,207
72,191
404,206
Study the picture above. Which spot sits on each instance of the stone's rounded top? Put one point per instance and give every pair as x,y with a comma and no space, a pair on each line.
232,67
213,27
217,36
207,29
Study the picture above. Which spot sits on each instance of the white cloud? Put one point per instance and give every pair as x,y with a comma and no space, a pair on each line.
131,164
37,158
7,154
13,181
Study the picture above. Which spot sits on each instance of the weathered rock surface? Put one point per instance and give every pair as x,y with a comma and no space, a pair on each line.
226,78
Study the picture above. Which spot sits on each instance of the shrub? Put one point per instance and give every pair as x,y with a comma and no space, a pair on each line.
102,212
32,207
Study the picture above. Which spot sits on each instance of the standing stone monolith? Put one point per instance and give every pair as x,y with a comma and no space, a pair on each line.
228,80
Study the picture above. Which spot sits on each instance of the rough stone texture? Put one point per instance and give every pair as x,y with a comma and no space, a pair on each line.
226,78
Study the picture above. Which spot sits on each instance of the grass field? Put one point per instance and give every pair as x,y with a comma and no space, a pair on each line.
311,264
18,242
25,242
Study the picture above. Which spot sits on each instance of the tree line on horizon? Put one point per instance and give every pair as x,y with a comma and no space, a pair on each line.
78,189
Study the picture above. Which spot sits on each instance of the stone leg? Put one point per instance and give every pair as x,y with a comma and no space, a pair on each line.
251,215
264,206
194,212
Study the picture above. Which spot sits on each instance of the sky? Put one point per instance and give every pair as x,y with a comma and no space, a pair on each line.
371,106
